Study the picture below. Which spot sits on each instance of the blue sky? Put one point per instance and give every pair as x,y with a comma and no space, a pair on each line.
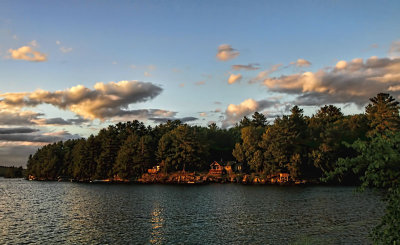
308,53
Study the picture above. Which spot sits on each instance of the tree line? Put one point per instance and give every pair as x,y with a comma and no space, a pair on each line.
306,147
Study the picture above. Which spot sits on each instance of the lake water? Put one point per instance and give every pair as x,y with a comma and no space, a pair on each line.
73,213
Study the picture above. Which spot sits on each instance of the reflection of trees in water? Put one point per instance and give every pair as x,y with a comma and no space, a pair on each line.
157,224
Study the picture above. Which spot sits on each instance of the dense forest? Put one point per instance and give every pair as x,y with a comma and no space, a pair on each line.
306,147
362,149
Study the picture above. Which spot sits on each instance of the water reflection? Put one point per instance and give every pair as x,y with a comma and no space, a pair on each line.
157,221
70,213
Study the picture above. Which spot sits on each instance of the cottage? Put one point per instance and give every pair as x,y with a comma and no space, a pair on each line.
228,168
279,178
216,168
283,177
154,170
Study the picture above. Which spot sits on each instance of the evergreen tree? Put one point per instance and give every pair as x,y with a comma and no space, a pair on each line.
383,114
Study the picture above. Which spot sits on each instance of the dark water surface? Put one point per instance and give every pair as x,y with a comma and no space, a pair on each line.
72,213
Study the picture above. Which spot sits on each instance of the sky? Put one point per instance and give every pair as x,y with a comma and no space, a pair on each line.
70,68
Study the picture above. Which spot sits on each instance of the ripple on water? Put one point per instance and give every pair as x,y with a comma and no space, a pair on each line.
51,212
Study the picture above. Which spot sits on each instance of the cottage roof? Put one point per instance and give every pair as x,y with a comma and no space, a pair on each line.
215,163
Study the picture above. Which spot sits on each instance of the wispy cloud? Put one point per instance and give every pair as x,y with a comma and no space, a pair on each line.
64,49
395,48
264,74
199,83
249,67
59,121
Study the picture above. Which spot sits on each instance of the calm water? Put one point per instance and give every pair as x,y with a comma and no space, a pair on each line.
72,213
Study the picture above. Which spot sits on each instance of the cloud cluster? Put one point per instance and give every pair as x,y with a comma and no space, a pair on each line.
226,52
106,100
348,82
27,53
234,78
235,113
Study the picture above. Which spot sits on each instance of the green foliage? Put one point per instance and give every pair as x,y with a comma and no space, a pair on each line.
387,232
377,162
184,148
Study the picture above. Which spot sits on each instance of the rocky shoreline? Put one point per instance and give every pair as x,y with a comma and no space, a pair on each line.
189,178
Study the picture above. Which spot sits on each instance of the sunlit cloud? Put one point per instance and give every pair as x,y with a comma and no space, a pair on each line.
226,52
106,100
301,63
199,83
348,82
235,113
27,53
234,78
